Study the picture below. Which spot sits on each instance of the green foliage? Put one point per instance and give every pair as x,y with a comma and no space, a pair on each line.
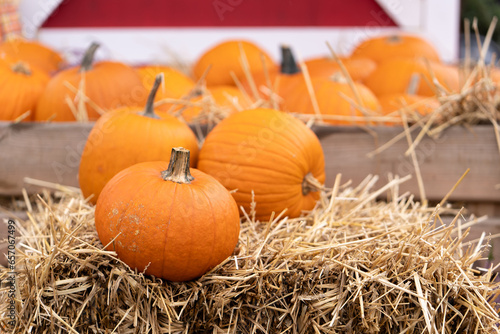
483,11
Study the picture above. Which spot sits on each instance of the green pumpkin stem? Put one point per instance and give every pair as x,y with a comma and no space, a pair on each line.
288,63
178,167
88,57
149,111
310,184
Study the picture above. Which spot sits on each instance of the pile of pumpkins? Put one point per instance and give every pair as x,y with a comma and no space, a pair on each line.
380,76
171,206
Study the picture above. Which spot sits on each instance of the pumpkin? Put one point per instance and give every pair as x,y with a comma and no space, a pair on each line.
175,83
224,100
392,104
400,45
279,79
357,67
21,88
395,75
168,220
335,97
225,58
266,155
101,86
126,136
34,53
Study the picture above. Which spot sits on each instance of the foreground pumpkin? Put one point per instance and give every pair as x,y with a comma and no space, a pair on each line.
267,152
102,86
34,53
225,57
126,136
337,102
380,48
167,220
21,87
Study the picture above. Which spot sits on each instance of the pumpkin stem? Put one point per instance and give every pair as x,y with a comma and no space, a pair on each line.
21,67
149,111
393,39
288,63
88,57
310,184
178,167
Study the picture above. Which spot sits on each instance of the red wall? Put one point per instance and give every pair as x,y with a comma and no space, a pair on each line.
214,13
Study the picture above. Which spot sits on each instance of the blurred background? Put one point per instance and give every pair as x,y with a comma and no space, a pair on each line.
165,31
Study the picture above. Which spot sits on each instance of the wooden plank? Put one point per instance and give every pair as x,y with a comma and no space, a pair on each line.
44,151
442,161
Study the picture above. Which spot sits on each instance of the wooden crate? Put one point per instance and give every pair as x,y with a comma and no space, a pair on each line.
442,161
44,151
51,152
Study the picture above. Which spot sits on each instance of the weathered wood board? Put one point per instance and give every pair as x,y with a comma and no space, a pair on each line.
442,161
44,151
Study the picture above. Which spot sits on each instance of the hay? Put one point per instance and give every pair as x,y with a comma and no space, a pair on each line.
351,265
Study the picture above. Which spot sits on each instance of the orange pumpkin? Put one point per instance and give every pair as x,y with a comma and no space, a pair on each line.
21,88
225,99
34,53
391,104
167,220
268,153
394,76
357,67
175,83
401,45
101,86
225,58
337,102
126,136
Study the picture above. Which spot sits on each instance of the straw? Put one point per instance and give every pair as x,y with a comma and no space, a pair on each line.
353,264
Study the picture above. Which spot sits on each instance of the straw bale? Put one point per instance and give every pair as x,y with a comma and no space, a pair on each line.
354,264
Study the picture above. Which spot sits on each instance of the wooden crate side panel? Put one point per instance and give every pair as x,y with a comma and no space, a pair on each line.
442,161
48,152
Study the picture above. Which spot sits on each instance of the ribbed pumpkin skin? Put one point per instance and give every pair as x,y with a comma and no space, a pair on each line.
178,231
380,48
109,85
34,53
20,91
122,138
269,152
225,58
334,97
